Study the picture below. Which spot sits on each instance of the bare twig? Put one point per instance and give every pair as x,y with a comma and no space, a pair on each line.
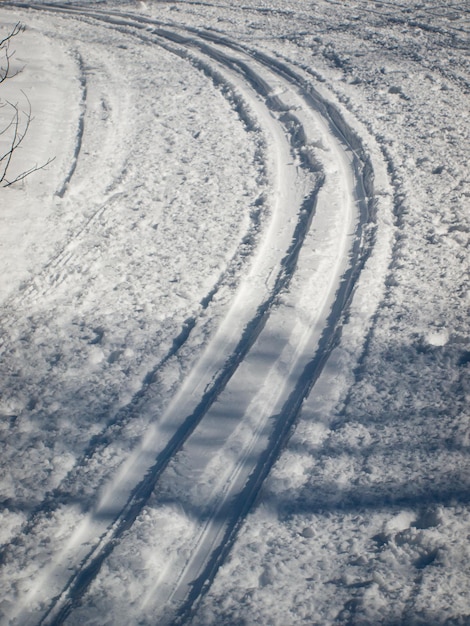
18,134
16,129
6,55
18,28
36,168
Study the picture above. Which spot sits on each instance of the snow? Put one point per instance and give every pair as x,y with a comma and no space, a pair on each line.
147,358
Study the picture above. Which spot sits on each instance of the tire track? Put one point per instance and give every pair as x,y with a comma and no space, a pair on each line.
79,582
240,107
51,276
237,511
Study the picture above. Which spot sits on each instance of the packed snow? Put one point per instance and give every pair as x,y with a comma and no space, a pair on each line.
234,347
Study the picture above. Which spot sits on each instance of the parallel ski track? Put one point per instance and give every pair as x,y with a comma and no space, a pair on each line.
74,589
49,277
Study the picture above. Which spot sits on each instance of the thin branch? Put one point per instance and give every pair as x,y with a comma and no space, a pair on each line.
18,134
17,29
36,168
16,129
5,68
8,126
5,160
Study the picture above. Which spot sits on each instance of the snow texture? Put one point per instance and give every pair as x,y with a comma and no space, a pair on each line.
234,315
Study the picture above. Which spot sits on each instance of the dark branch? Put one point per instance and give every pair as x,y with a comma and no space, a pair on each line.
16,129
6,55
36,168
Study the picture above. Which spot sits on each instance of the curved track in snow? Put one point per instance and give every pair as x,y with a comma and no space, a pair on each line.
222,432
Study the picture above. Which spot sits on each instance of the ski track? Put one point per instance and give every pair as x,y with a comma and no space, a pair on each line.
281,101
55,272
81,128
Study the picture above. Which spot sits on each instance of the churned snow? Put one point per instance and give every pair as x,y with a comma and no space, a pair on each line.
186,148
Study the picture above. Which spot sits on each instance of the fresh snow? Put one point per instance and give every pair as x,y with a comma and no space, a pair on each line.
234,362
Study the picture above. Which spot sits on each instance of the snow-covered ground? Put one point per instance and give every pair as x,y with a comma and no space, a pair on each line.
234,347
